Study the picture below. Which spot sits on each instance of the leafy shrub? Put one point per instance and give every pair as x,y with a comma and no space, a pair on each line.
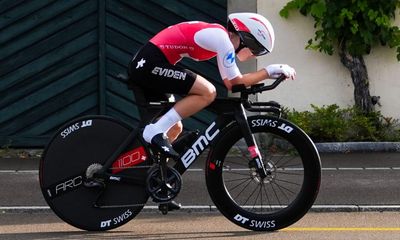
334,124
389,129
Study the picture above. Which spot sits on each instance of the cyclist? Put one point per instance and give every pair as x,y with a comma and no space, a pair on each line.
153,68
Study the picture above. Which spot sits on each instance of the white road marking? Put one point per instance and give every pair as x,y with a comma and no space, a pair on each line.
212,207
244,169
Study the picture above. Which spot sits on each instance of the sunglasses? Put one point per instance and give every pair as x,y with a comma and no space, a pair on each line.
247,40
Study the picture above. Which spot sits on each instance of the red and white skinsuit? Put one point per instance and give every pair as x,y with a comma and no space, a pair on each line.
199,41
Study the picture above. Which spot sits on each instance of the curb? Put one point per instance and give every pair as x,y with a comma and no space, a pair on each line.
355,208
351,147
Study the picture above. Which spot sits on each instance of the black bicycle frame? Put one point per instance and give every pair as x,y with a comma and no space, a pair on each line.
228,111
232,110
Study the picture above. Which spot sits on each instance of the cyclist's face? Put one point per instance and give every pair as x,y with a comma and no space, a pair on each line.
235,39
245,54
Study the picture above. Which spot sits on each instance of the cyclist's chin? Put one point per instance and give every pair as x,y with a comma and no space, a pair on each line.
245,54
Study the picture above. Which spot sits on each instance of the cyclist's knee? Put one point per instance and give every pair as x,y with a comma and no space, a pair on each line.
205,89
210,94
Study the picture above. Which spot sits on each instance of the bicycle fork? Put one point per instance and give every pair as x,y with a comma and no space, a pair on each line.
256,159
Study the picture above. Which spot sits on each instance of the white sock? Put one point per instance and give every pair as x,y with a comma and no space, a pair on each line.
162,125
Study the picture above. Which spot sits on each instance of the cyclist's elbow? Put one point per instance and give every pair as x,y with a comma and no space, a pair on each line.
228,84
234,81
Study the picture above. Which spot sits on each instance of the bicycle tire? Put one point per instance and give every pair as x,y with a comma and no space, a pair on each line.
295,175
75,146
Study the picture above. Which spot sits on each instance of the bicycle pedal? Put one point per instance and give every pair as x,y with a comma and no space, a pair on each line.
169,206
163,208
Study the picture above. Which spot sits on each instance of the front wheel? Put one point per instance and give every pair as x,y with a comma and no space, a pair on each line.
276,201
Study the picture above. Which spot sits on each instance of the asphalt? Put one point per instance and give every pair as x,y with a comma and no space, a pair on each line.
355,181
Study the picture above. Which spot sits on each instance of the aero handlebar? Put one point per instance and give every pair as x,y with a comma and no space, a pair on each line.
258,88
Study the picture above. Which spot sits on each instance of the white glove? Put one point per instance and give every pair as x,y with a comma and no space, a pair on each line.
275,70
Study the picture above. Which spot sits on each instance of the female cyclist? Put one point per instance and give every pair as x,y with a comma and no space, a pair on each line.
153,68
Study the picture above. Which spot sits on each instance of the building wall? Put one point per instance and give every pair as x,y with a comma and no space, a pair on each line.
60,60
322,79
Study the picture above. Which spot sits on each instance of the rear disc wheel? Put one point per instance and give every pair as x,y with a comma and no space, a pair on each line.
79,148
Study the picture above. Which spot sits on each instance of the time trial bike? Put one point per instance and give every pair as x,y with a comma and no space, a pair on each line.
262,172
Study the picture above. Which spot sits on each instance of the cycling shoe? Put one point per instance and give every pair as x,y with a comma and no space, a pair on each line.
160,141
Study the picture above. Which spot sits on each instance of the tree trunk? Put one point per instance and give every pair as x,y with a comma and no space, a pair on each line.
359,75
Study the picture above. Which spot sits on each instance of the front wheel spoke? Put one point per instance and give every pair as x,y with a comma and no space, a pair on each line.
236,173
237,179
266,194
276,195
279,159
289,182
286,164
258,195
245,187
255,189
233,188
285,188
261,198
289,173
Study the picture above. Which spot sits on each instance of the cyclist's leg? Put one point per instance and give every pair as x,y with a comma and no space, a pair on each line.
152,71
174,131
200,96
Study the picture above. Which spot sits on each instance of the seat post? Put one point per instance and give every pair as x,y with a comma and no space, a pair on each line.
143,106
140,99
147,111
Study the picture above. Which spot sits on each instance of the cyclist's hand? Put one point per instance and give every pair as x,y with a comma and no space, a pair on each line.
276,70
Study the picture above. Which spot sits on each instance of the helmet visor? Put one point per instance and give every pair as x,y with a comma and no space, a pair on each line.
250,42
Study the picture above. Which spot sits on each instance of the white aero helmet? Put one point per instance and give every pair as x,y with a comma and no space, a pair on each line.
254,30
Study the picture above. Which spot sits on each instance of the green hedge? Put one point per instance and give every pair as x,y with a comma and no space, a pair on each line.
334,124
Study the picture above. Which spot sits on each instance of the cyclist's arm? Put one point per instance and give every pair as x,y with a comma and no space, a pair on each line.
217,40
271,71
220,43
247,79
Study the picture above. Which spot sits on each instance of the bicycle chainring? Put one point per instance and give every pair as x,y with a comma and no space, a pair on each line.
163,190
